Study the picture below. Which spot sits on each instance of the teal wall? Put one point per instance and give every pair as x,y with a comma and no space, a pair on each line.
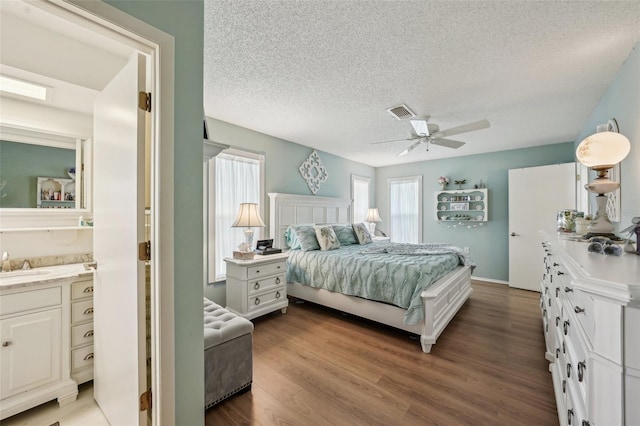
22,163
183,20
622,102
489,244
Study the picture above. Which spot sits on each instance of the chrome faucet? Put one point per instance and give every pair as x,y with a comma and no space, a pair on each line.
6,263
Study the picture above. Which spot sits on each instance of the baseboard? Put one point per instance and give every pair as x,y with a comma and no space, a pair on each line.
489,280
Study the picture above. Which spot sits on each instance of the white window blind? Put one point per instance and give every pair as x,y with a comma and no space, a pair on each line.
405,209
236,179
360,197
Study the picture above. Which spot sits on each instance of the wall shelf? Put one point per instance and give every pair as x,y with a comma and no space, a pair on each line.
462,205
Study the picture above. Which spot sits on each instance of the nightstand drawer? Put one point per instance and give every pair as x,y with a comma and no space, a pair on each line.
259,301
262,284
81,311
81,289
82,357
267,269
81,334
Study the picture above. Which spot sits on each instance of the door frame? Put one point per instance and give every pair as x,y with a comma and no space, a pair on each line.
121,27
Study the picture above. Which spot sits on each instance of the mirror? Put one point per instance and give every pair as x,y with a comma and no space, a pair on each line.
41,171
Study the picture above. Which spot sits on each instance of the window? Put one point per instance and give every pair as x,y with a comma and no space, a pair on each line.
234,177
360,197
405,209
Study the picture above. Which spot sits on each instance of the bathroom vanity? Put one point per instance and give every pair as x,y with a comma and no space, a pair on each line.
46,335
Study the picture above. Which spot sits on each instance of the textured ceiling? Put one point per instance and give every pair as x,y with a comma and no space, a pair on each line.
322,73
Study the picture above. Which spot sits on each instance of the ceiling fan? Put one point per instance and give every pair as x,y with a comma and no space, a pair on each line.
424,132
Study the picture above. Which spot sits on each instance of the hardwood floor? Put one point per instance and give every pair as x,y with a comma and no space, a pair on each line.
317,366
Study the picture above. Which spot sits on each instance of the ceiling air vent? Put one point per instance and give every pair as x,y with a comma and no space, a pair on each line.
401,112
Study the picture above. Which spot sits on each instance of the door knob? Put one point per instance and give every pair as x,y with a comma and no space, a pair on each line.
513,234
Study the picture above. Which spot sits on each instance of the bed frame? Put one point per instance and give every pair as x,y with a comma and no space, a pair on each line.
441,301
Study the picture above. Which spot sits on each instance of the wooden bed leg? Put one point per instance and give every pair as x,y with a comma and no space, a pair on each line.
426,347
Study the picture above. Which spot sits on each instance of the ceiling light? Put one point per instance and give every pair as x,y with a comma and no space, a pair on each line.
420,126
22,88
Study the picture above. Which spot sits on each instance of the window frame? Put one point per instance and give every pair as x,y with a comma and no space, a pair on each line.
417,179
354,179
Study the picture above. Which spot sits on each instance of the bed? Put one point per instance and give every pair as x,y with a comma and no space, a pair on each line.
439,299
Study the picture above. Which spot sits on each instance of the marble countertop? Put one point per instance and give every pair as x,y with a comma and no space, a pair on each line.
44,275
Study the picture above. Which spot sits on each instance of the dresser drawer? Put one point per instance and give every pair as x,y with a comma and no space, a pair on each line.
583,307
81,311
263,284
82,357
81,334
266,269
261,300
28,300
81,289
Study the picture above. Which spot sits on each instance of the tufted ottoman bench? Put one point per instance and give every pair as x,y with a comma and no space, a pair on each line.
228,361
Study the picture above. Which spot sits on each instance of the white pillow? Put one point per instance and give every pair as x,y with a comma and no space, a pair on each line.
362,233
327,237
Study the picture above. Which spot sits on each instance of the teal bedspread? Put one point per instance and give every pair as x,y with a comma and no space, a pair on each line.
384,272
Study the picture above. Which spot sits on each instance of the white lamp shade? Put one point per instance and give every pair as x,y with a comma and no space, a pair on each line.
603,149
248,216
373,216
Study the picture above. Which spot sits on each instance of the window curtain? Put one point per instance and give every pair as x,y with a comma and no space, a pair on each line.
236,180
360,199
404,209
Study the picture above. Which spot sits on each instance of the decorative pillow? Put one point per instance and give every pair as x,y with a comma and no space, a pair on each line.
306,236
362,233
291,239
345,234
327,237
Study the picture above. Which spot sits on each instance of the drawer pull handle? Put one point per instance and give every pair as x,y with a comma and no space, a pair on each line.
564,386
581,367
569,415
557,321
257,271
88,357
564,348
257,301
7,343
278,280
256,286
277,295
88,333
557,352
556,264
88,311
544,312
568,290
560,273
557,291
578,310
585,423
568,370
278,267
88,290
565,326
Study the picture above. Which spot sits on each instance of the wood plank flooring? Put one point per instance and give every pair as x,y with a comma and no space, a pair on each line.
317,366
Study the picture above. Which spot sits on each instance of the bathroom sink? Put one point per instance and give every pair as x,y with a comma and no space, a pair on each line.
24,272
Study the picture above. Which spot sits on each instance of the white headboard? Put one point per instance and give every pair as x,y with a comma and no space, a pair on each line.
291,209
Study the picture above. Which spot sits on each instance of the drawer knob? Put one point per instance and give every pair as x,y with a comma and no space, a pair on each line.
578,310
257,301
88,333
256,286
88,356
277,295
278,267
88,290
568,289
88,311
278,280
257,271
581,367
7,343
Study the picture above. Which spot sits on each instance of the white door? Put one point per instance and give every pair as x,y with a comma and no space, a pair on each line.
535,196
119,302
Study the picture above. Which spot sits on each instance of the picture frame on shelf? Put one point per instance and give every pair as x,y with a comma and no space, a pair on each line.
459,206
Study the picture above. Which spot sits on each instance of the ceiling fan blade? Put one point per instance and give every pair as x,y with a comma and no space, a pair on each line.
395,140
476,125
449,143
411,148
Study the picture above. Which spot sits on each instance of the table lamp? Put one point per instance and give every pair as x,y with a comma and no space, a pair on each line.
600,152
248,217
373,217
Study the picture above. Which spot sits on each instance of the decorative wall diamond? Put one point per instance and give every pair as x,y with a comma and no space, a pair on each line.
313,171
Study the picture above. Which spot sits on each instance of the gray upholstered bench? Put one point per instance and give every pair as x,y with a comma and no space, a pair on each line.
228,360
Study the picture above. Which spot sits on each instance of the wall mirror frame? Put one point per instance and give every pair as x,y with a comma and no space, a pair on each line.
31,217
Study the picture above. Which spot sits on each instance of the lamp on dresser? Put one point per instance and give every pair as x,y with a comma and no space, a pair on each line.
373,217
600,152
248,217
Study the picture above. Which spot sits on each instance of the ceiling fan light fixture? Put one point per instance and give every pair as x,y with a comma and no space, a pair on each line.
420,126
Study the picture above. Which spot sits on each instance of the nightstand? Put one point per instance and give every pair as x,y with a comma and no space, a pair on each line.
257,286
377,239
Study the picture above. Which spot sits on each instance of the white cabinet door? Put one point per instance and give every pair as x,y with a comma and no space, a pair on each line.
119,291
535,196
31,351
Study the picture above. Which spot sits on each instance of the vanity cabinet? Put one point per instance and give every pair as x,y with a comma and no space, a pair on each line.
591,321
462,205
34,346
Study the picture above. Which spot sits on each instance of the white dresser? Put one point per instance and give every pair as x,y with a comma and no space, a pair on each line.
257,286
591,317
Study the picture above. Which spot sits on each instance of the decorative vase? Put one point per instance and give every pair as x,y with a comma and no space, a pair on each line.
443,186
